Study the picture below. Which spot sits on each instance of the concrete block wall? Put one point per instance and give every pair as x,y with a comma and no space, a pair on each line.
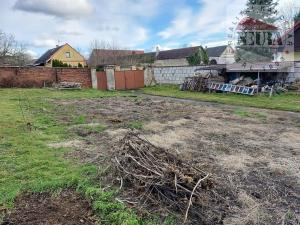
173,75
295,75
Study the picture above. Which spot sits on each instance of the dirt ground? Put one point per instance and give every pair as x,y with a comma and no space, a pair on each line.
66,208
254,151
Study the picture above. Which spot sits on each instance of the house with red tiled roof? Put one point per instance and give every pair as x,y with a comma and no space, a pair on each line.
255,24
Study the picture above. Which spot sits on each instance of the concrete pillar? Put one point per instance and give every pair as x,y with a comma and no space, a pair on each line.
110,74
149,79
94,78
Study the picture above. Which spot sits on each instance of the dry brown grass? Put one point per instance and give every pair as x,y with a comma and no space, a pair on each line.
258,159
68,144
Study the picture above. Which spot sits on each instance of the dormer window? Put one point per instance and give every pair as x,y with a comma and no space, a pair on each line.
68,54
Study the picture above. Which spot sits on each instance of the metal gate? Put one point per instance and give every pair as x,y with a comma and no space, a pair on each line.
101,80
129,79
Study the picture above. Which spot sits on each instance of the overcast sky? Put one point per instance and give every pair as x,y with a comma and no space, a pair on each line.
137,24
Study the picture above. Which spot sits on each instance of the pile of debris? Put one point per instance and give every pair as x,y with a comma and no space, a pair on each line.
244,81
200,82
159,180
273,89
67,85
294,86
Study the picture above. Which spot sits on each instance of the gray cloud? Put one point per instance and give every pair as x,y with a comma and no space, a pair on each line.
58,8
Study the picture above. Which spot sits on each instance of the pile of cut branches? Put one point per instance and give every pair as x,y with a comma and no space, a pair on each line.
155,177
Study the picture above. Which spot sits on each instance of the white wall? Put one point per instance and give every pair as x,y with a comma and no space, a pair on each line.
296,74
174,75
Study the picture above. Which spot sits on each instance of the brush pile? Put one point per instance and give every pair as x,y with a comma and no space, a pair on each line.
155,178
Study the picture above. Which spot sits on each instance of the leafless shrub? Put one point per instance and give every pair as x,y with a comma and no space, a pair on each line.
160,180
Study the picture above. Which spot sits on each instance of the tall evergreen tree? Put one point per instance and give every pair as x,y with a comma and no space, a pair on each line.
297,16
266,12
199,57
204,56
195,58
263,10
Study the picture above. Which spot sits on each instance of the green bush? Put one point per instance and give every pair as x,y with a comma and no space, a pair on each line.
100,68
58,63
200,56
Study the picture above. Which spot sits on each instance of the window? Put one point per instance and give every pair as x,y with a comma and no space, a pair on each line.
68,55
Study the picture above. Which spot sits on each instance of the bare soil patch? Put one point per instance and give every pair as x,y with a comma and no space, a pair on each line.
67,208
253,152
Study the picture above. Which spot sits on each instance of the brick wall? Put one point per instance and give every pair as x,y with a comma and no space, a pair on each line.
28,77
77,75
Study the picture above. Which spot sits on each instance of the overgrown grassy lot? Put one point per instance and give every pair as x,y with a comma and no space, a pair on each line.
288,101
27,126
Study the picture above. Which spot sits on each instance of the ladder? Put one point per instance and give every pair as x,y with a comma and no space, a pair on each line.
233,88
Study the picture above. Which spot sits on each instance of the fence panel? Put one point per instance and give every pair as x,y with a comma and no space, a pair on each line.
102,80
130,80
120,80
139,78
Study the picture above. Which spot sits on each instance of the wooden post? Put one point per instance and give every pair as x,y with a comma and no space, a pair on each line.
258,81
209,82
272,91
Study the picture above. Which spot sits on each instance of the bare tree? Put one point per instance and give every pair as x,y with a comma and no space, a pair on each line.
11,52
288,11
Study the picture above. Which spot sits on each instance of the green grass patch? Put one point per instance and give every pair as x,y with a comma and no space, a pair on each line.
242,113
81,119
287,101
27,163
245,114
96,129
87,129
138,125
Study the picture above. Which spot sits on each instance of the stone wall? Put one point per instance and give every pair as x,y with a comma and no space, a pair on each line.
27,77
